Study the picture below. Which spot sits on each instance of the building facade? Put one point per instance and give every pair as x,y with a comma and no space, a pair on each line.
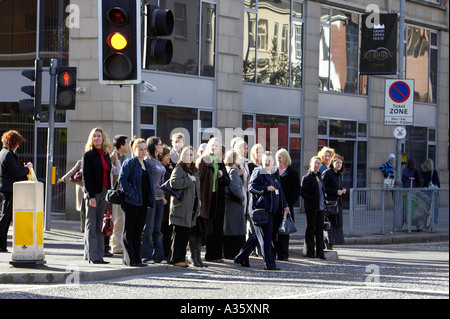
284,73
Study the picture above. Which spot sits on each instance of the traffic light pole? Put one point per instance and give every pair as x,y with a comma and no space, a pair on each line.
136,109
50,141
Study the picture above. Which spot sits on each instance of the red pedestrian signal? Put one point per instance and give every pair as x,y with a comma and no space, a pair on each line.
66,80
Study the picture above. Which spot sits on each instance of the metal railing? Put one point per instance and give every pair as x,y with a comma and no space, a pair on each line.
387,210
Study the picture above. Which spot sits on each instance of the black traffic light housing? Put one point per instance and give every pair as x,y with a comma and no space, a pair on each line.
157,23
66,81
35,91
119,26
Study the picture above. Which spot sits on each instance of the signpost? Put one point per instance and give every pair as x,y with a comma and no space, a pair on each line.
399,102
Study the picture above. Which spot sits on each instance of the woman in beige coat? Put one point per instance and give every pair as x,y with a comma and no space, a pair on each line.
79,191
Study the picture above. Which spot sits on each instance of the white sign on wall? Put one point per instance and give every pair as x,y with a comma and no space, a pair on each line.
399,102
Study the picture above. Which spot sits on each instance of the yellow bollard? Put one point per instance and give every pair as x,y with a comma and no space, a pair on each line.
28,223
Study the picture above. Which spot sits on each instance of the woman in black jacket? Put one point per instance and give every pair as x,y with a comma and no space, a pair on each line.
332,179
11,171
290,182
96,165
313,192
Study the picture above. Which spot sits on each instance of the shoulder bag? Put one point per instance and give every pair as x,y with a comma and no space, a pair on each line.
259,216
173,192
332,205
116,196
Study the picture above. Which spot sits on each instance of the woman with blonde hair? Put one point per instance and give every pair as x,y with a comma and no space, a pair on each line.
313,192
209,175
290,183
96,165
325,155
256,154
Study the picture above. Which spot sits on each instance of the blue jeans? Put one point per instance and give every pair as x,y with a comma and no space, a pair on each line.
151,239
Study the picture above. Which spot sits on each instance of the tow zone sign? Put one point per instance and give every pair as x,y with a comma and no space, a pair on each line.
399,102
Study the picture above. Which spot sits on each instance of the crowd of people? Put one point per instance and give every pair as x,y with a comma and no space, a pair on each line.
179,199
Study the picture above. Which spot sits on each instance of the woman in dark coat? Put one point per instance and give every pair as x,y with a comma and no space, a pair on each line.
290,182
235,219
11,171
96,165
313,192
332,179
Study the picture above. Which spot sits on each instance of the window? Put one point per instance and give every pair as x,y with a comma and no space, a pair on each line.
339,52
193,37
421,63
18,32
273,42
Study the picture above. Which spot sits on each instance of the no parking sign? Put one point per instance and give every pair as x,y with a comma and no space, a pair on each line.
399,102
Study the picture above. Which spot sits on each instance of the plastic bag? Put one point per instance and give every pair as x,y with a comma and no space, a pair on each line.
32,176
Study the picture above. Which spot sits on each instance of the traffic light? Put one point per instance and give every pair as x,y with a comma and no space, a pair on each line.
119,36
66,81
157,22
33,105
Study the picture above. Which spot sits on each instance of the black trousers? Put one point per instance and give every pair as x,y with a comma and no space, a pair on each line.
5,218
180,239
134,224
314,233
214,240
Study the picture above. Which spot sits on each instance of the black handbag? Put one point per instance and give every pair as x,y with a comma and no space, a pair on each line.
259,216
287,226
173,192
332,207
115,196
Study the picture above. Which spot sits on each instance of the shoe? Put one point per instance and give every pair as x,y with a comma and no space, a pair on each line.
242,263
322,257
181,264
3,250
99,261
150,262
274,268
139,265
108,254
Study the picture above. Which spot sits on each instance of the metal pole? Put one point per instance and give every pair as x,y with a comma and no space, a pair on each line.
50,140
401,46
136,110
38,31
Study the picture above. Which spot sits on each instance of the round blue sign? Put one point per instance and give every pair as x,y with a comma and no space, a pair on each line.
399,91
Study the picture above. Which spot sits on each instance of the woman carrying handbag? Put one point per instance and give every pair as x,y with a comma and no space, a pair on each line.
332,179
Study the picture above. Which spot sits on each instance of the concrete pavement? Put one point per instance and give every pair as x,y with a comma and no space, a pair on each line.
64,245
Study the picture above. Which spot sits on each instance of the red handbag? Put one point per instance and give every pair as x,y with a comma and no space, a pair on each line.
77,177
108,224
